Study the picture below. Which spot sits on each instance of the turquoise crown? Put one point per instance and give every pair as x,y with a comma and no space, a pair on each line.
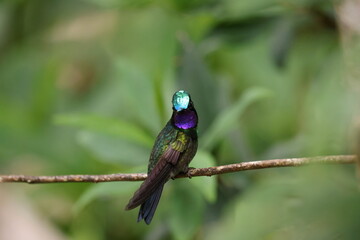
181,100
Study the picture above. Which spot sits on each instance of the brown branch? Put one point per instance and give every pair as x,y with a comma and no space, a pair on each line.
210,171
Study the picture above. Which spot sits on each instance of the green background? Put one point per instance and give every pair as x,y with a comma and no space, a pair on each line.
86,85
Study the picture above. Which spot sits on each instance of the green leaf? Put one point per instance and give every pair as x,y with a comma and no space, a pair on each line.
113,189
137,89
187,208
229,117
318,202
113,149
205,185
43,97
232,9
119,3
109,126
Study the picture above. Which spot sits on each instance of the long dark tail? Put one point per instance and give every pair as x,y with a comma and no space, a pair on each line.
155,181
148,195
148,208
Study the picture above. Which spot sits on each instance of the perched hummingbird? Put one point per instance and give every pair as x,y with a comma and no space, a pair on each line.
174,148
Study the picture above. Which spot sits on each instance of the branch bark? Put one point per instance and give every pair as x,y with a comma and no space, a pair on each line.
210,171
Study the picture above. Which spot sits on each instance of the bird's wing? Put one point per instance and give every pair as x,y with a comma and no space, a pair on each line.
160,174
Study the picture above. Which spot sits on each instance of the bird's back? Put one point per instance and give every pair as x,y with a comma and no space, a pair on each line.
167,135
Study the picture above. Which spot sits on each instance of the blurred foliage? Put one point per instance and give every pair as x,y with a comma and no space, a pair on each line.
85,86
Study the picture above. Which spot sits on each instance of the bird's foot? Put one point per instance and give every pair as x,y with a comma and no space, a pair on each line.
188,172
172,176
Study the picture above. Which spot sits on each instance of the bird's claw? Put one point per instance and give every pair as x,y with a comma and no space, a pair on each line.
188,172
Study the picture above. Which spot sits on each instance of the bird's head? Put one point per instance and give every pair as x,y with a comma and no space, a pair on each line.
181,101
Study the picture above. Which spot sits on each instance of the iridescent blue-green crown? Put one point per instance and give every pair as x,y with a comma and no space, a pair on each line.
181,100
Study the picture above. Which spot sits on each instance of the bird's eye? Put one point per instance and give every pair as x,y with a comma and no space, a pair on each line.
181,100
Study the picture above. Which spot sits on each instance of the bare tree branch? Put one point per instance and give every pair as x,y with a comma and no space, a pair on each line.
210,171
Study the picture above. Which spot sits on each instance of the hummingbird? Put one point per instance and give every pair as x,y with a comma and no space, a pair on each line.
174,148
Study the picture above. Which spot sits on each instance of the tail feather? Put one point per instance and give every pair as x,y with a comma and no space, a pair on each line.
157,178
147,209
149,193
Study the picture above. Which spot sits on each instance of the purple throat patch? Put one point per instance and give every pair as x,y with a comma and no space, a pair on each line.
185,119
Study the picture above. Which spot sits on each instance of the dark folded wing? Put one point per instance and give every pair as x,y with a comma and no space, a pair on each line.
159,175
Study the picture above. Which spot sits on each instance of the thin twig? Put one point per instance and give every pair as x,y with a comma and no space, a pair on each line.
210,171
